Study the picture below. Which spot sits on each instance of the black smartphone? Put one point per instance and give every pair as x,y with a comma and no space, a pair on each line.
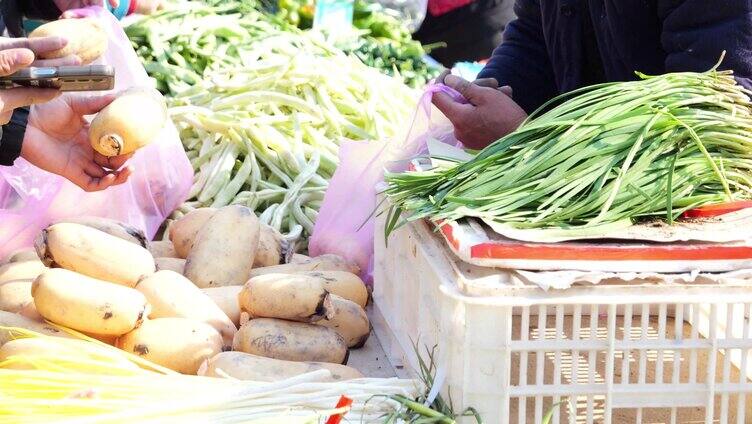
65,78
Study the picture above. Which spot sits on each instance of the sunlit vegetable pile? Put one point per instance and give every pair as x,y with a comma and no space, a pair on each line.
261,110
266,135
218,298
97,324
179,45
379,39
604,155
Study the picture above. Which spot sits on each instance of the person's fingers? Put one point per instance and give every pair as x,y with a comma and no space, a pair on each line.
487,82
93,169
38,45
89,105
113,162
22,96
70,60
92,177
118,162
469,91
12,60
461,85
5,116
99,184
454,111
102,160
506,90
123,175
442,75
108,180
114,3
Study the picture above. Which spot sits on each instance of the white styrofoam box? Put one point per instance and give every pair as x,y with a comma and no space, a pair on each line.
512,350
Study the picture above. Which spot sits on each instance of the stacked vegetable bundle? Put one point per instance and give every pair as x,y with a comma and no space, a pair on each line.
604,157
181,309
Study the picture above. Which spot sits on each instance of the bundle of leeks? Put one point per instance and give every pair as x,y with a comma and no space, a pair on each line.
45,379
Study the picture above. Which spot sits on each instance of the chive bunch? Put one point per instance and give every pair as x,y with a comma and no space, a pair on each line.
603,154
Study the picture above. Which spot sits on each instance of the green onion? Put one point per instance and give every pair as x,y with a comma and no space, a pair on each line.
600,155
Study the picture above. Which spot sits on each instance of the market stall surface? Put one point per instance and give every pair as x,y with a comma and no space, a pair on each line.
371,359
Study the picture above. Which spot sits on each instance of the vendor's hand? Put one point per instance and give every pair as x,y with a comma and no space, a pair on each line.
39,46
57,140
16,54
483,82
492,83
490,114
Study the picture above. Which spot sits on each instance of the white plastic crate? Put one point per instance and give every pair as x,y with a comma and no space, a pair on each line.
513,350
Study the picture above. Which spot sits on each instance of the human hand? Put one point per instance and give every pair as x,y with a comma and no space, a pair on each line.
57,140
489,114
483,82
39,46
16,54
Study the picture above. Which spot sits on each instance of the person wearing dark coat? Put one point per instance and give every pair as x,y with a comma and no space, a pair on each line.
471,29
555,46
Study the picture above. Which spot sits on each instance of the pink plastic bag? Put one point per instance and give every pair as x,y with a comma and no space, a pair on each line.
343,226
31,198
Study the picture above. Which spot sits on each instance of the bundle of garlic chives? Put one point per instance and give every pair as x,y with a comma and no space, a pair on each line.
69,381
606,154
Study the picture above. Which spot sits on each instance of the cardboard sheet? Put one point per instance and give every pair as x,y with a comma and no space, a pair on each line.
479,245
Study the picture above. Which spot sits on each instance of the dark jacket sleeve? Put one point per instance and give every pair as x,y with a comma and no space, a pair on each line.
695,34
521,61
12,137
14,10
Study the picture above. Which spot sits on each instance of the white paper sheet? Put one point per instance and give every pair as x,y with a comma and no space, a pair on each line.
566,279
730,227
